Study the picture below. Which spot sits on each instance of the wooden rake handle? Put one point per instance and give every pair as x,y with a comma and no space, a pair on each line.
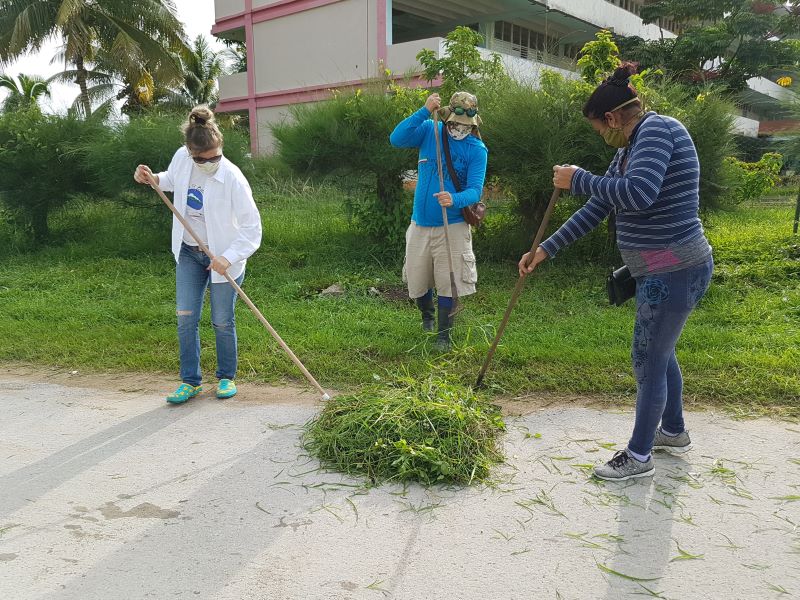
242,295
453,289
518,288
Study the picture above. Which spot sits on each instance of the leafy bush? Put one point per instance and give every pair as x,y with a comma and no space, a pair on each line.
427,430
709,119
462,68
350,134
599,58
528,130
150,139
749,181
41,168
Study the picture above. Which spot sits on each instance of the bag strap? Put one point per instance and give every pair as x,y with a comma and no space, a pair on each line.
449,160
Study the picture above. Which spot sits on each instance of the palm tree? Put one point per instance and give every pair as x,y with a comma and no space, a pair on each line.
24,94
125,30
202,66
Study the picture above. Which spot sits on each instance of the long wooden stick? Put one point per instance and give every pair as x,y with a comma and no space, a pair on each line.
453,289
242,295
518,288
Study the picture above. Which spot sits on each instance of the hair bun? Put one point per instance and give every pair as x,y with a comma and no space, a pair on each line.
622,74
201,115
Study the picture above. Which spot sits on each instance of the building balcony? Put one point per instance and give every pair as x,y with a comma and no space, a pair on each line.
402,59
607,14
227,8
232,87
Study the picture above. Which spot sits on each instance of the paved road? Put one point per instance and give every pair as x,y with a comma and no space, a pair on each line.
114,495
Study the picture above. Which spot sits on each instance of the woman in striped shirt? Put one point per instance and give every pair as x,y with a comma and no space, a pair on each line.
652,186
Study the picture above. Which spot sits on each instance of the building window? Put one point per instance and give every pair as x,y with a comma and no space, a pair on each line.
523,42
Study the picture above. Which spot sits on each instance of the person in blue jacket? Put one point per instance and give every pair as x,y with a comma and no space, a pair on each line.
426,266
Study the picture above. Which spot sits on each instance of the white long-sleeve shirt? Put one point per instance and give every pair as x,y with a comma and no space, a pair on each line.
233,223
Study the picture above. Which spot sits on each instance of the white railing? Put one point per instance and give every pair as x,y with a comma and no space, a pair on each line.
532,55
402,58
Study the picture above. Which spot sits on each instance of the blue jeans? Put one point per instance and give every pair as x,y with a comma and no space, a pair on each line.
192,277
663,304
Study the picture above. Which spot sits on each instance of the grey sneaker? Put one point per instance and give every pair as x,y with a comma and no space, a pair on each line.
623,466
673,444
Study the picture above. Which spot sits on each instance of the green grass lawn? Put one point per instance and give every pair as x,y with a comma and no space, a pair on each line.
103,299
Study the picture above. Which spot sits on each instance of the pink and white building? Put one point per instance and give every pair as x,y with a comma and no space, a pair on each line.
298,50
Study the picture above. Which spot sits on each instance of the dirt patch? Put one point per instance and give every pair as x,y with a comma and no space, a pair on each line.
156,383
145,510
251,392
395,293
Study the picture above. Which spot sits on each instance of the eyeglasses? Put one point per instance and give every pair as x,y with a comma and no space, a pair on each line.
201,161
470,112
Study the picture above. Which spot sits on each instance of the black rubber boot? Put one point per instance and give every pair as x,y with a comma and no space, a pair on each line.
425,305
445,325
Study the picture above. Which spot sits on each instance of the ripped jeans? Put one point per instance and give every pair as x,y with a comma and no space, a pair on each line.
191,280
663,304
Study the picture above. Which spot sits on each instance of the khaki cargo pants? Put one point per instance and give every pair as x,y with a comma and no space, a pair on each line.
426,264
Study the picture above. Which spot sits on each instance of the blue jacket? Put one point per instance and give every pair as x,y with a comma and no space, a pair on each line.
469,161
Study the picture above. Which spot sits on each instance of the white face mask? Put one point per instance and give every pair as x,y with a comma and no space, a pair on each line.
208,168
458,131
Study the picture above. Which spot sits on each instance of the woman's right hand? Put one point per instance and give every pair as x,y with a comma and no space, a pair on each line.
144,175
434,102
526,265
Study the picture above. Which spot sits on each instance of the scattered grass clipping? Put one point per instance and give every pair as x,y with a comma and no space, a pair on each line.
428,430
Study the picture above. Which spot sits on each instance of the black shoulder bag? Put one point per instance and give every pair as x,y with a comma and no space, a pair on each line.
474,213
621,286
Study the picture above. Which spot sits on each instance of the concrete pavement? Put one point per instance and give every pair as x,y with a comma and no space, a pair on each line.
115,495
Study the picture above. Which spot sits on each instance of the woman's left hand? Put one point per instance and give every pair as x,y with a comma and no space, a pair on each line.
562,176
220,264
444,198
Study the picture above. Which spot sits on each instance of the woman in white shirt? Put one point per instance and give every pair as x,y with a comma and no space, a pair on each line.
215,199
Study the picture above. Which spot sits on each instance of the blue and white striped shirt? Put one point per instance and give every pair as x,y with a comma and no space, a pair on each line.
656,199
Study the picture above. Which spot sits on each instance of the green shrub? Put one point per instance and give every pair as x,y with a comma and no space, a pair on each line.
150,139
748,181
350,134
41,168
709,119
528,130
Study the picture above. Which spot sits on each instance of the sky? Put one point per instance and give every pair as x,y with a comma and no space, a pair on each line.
197,17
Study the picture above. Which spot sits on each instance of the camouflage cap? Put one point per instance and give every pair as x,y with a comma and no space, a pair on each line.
462,102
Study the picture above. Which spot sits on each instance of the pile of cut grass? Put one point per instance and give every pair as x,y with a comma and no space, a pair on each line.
428,430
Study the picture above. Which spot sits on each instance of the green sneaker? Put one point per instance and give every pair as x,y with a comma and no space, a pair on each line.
226,389
183,393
